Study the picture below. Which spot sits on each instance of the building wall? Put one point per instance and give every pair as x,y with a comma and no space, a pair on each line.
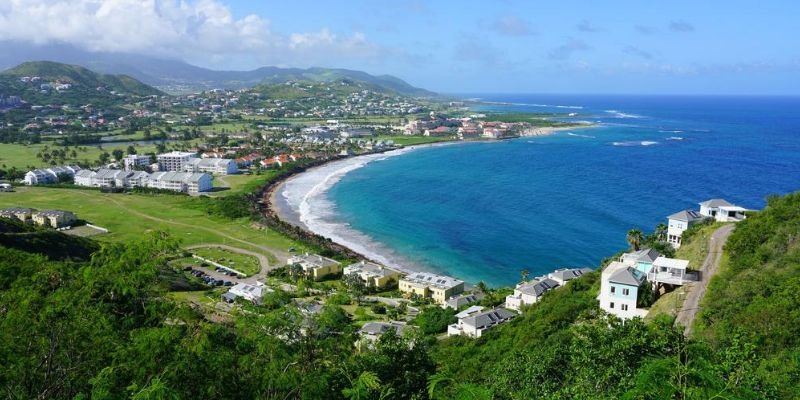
618,303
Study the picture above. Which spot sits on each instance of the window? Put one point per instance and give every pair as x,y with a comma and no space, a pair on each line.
626,292
613,290
611,305
624,307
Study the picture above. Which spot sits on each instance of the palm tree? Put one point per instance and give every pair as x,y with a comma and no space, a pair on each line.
634,238
482,287
525,274
661,232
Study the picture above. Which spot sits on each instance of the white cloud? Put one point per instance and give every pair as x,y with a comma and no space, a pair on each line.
512,26
566,50
189,29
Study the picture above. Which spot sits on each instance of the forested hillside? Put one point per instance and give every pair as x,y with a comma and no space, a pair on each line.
105,328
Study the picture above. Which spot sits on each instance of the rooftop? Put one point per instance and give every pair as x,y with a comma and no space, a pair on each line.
672,263
566,274
715,203
488,318
427,278
686,215
537,287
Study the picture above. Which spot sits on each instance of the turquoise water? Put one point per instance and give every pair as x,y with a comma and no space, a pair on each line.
485,211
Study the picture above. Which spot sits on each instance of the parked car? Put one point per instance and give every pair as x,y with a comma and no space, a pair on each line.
227,283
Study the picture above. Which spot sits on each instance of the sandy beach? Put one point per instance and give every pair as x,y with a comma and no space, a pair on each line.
301,201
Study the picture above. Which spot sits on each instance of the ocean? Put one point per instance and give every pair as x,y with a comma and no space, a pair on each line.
484,211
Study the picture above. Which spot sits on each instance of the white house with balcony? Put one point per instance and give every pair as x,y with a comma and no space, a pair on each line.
679,222
722,211
670,271
476,323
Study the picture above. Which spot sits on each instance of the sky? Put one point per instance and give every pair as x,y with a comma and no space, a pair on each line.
489,46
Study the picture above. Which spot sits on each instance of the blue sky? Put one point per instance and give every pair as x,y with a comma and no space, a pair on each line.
675,47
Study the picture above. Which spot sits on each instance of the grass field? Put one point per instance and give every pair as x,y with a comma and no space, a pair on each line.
241,183
696,249
128,216
240,262
22,156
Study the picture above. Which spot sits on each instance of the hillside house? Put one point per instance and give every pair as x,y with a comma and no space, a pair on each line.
373,275
316,267
432,286
475,324
722,211
619,290
529,292
679,222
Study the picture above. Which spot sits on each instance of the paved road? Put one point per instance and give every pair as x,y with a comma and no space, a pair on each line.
710,267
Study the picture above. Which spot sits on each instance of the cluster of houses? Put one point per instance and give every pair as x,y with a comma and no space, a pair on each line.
464,128
47,218
715,209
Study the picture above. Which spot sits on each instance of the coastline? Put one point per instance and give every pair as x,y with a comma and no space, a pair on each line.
309,186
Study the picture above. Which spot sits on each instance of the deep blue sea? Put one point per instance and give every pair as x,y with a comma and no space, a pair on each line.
484,211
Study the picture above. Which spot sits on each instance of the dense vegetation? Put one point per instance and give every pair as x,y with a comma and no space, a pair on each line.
104,328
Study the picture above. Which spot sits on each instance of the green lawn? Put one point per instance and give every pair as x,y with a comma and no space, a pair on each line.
669,303
242,183
696,249
128,216
22,155
240,262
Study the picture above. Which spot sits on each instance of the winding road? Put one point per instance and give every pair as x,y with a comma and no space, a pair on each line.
710,267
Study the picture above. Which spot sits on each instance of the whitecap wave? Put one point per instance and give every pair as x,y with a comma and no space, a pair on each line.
579,135
674,138
670,131
504,103
620,114
631,143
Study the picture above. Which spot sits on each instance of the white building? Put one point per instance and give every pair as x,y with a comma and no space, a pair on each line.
215,166
529,292
670,271
49,175
678,223
476,323
84,177
722,211
134,161
619,290
174,161
457,302
250,292
563,275
180,181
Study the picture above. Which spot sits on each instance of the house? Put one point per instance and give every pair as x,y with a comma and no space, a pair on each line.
475,324
722,211
373,275
641,259
316,267
469,311
679,222
561,276
252,293
215,166
671,271
135,161
22,214
84,177
174,161
180,181
529,292
371,331
457,302
428,285
619,290
53,218
109,178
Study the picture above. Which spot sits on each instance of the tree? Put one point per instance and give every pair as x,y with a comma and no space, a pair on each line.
295,271
118,154
131,150
635,238
524,274
355,286
104,157
661,232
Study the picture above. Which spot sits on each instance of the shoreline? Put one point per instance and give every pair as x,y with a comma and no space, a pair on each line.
328,173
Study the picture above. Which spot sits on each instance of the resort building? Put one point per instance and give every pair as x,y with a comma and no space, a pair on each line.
529,292
316,267
722,211
373,275
174,161
619,290
180,181
563,275
457,302
371,331
53,218
21,214
84,177
215,166
476,323
678,223
49,175
427,285
135,161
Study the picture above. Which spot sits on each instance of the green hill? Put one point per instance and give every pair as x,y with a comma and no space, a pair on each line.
85,86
